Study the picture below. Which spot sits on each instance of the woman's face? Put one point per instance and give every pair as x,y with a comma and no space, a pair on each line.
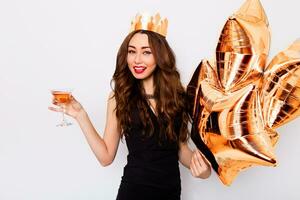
140,59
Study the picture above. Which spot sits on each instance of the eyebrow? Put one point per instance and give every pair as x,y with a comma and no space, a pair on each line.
145,47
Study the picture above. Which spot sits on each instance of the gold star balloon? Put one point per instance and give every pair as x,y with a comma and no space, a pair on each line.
237,101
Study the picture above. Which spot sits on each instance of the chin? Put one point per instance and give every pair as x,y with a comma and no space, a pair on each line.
141,76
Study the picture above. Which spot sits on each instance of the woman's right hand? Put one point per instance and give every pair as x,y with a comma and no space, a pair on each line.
73,108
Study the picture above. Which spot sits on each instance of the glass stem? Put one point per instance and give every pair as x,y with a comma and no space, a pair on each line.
63,114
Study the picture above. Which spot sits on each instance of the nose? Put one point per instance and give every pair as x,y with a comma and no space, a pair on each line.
138,58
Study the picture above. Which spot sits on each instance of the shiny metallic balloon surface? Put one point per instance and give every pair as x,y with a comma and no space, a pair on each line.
237,101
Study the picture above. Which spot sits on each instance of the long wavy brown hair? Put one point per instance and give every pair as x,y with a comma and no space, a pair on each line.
168,90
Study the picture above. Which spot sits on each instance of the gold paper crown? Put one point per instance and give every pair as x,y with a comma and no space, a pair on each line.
150,23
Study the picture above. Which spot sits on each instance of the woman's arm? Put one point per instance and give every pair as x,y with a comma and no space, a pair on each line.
194,161
104,148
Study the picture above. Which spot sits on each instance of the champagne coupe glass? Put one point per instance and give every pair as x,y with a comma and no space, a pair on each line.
62,96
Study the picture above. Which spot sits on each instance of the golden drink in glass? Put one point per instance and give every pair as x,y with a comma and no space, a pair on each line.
63,97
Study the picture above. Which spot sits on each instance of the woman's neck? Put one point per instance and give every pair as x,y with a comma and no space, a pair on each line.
148,85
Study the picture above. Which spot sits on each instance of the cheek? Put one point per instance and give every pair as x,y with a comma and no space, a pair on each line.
153,68
151,62
128,59
152,65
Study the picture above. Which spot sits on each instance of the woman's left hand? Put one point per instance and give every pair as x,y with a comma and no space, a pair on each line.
199,167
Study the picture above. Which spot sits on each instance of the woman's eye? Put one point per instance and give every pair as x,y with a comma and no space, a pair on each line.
131,51
147,52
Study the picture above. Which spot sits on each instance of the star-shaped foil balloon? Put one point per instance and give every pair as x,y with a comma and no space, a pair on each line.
237,101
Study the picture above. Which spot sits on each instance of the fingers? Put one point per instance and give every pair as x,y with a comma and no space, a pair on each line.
200,158
197,166
55,109
73,99
70,108
193,168
207,163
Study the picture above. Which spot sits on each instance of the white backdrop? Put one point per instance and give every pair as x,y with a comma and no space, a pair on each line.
73,43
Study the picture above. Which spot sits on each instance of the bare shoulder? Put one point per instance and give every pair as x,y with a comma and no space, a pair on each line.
111,95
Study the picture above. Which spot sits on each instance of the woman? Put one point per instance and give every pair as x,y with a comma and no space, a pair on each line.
148,108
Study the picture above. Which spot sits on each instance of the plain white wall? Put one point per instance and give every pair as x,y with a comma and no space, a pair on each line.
73,43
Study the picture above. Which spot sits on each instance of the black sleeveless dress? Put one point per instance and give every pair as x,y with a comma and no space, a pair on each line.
152,170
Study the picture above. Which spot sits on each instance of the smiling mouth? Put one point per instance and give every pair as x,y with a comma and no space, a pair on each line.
139,69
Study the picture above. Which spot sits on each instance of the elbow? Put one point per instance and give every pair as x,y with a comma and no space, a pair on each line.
105,162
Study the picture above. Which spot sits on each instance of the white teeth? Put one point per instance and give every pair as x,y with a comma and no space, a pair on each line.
139,67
